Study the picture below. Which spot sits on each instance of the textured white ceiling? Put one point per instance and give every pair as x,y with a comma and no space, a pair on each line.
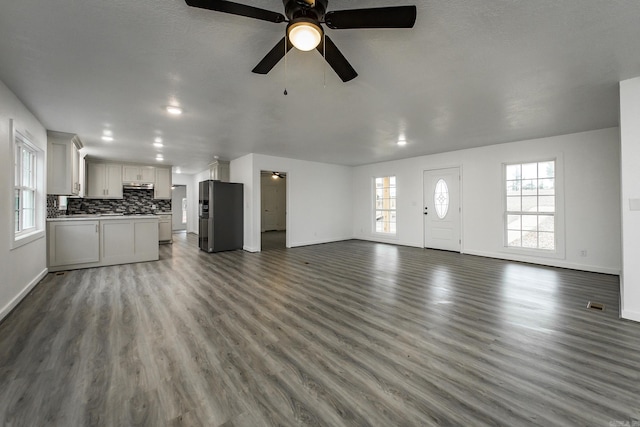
469,74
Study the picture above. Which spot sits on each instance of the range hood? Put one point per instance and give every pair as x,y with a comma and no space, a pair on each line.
137,186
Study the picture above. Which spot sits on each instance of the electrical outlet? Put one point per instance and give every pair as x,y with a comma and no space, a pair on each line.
583,253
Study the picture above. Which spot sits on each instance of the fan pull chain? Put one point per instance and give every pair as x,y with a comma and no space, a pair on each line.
286,43
324,53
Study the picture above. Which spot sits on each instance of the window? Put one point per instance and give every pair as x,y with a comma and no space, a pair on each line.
25,186
530,216
184,211
385,205
441,198
28,200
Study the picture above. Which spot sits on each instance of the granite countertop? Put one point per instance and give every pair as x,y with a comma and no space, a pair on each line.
101,217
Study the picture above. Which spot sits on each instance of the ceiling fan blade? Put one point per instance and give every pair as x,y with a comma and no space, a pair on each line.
381,17
336,59
272,58
238,9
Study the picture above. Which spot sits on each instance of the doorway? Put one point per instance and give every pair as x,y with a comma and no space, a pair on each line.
179,208
442,218
273,210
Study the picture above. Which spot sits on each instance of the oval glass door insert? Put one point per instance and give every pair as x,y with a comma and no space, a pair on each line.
441,198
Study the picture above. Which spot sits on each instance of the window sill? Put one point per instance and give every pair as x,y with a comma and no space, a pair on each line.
390,236
534,253
27,238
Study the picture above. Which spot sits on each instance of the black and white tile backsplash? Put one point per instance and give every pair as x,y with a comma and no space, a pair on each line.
52,207
136,201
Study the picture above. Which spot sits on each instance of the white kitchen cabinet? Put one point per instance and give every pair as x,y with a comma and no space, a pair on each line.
73,242
220,171
129,240
164,228
104,180
135,174
88,242
63,164
162,187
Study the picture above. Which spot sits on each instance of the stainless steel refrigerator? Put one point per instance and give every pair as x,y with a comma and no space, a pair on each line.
221,216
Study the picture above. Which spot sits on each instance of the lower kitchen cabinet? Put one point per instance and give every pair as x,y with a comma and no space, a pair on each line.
164,228
95,243
126,240
73,242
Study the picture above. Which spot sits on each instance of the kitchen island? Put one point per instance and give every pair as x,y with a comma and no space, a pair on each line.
85,241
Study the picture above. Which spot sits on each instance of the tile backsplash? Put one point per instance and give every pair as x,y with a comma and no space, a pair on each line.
138,201
52,207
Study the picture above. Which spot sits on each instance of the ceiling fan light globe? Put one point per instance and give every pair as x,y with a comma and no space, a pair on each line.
305,36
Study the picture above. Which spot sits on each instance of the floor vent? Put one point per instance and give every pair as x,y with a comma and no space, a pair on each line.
595,306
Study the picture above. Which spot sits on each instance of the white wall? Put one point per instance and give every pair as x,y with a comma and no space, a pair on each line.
630,176
590,161
241,170
23,267
318,199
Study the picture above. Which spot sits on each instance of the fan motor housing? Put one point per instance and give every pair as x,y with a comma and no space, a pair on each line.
301,9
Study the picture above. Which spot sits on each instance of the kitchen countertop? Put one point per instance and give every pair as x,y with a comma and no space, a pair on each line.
101,217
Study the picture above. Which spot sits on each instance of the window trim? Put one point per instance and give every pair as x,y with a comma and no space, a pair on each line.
393,235
24,237
559,252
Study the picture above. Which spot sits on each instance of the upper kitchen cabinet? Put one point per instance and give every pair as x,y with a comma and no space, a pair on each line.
63,164
162,187
133,174
219,171
104,180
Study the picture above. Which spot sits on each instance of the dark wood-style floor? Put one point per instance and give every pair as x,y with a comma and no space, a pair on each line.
351,333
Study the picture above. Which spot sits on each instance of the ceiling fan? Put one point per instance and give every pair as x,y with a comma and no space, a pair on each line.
304,28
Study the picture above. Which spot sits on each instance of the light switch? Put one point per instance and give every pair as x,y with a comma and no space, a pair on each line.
634,204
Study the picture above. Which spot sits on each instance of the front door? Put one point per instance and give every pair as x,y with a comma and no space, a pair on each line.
442,209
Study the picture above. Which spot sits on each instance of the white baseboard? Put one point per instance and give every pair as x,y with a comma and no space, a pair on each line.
630,315
386,241
16,300
250,249
548,262
318,242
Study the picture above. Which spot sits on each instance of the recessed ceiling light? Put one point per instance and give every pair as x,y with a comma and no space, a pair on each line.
158,144
157,139
107,132
159,159
402,142
173,110
107,138
178,171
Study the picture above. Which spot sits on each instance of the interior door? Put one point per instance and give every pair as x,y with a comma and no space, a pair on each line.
442,209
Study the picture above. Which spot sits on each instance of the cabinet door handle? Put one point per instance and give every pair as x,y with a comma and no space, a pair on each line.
96,228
